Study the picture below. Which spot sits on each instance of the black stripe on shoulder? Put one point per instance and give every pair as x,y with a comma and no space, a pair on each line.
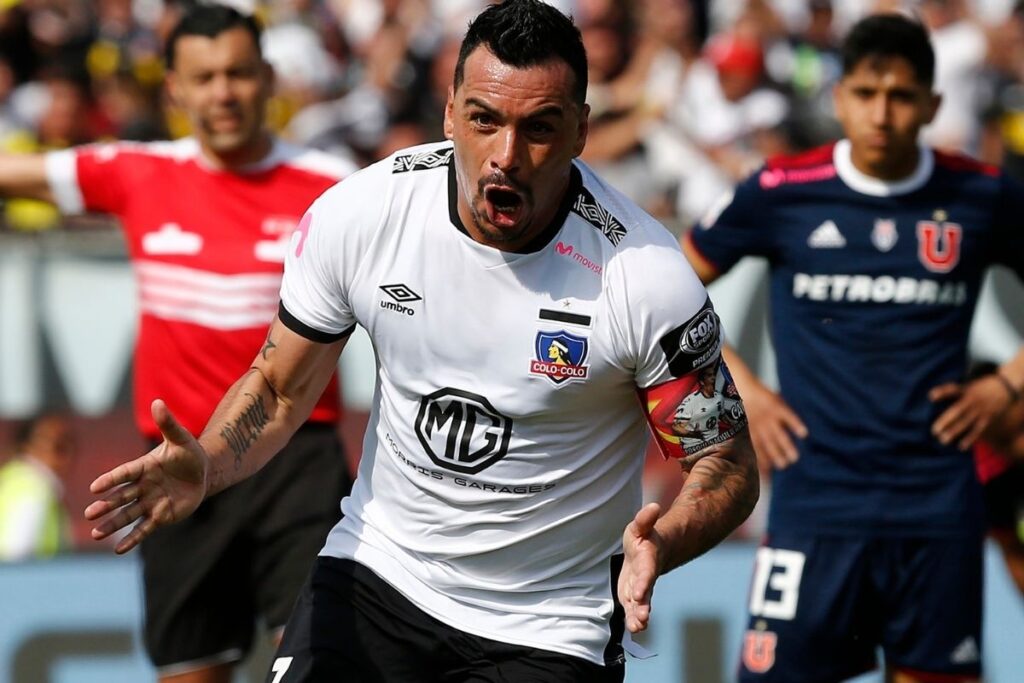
422,161
303,330
588,208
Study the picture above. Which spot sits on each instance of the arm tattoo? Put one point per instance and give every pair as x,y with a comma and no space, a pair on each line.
267,346
719,492
246,429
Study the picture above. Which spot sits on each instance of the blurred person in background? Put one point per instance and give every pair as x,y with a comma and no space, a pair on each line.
730,115
999,458
809,65
208,220
876,247
1003,120
34,522
639,68
960,48
63,117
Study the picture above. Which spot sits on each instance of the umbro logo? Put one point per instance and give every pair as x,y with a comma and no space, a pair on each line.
400,294
826,236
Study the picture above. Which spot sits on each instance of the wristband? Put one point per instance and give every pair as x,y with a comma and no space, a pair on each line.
1013,391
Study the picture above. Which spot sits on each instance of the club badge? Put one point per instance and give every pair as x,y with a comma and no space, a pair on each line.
560,356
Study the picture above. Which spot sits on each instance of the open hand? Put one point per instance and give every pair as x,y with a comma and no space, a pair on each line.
163,486
640,567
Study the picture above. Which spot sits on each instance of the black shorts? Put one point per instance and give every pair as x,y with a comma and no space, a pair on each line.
350,625
242,555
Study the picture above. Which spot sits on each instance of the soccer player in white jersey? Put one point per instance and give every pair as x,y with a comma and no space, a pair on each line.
207,220
495,530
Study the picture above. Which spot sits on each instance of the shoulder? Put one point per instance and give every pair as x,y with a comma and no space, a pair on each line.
136,154
646,268
374,184
613,214
432,156
314,161
963,165
812,166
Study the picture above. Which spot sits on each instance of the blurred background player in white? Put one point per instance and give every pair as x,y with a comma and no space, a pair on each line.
207,220
478,543
34,521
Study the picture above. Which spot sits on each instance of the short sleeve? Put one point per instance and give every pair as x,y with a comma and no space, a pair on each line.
1008,248
735,227
324,256
664,317
89,178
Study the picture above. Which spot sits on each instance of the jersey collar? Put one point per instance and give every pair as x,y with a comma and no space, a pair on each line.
865,184
278,154
542,239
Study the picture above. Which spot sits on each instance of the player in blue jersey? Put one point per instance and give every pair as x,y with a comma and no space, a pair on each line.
877,247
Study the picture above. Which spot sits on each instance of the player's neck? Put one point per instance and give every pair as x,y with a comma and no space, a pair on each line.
240,157
888,170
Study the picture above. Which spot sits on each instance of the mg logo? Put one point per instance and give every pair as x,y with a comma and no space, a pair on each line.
462,431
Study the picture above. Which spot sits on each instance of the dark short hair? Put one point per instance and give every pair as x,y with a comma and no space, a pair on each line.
524,33
890,35
210,21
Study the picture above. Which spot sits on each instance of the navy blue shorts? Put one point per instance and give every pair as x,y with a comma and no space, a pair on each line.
821,606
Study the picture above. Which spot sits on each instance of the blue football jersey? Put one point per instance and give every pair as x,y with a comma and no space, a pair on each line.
873,287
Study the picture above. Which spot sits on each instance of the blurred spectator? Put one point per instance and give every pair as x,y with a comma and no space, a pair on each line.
808,63
1003,132
731,116
960,47
60,115
33,520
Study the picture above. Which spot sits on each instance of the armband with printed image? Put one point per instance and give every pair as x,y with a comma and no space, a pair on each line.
693,412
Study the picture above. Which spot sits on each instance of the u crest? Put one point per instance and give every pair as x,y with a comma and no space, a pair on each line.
938,245
759,650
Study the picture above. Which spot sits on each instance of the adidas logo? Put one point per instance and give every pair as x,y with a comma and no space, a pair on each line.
966,652
826,236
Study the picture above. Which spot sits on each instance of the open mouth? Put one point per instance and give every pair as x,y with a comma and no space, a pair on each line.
504,206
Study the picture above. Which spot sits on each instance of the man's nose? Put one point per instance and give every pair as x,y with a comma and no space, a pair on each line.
507,150
881,110
222,89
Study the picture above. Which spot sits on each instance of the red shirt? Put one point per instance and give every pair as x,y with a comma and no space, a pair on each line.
207,247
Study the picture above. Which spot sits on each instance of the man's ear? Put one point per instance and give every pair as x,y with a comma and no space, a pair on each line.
173,86
269,75
583,128
449,114
934,106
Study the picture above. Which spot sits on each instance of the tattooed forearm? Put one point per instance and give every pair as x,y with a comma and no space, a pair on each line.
267,346
244,431
719,492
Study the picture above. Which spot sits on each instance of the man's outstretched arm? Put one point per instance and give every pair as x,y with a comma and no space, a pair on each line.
720,489
253,421
24,176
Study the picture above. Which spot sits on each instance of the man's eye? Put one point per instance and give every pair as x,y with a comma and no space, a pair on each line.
541,128
482,119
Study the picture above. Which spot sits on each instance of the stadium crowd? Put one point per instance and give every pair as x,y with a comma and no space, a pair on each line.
687,96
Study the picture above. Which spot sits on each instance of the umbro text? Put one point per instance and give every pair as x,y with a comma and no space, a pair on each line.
398,308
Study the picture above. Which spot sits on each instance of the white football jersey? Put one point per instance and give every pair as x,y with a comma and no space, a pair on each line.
698,414
503,456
